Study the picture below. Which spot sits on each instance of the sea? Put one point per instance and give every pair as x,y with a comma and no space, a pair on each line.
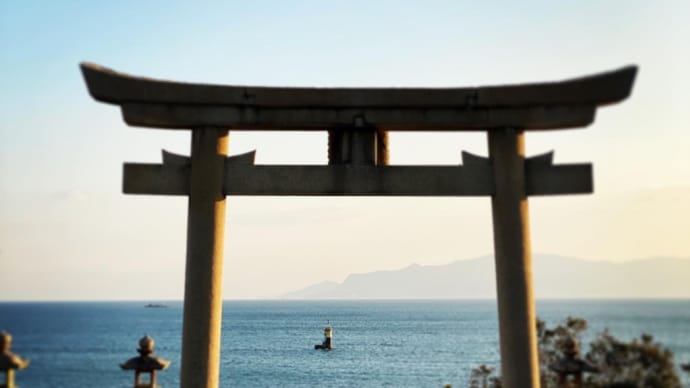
378,343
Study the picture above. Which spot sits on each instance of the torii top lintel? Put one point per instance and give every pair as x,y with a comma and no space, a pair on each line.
166,104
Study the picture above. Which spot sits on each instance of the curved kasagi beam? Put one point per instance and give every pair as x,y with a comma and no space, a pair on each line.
107,85
165,104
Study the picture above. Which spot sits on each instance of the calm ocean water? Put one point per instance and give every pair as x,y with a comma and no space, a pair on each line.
270,343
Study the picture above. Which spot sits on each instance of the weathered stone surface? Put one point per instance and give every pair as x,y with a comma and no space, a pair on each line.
8,360
203,301
358,120
176,105
145,363
515,295
185,116
604,88
473,178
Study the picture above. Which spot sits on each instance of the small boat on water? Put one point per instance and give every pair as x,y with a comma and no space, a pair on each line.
156,306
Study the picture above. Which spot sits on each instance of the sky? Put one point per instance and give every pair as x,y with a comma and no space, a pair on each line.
68,233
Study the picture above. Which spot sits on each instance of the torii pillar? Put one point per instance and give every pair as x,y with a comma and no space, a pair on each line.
516,309
203,290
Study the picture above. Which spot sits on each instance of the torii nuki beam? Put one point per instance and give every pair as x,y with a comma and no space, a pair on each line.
357,121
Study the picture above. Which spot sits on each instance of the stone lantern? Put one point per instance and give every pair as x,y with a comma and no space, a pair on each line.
9,362
145,363
571,365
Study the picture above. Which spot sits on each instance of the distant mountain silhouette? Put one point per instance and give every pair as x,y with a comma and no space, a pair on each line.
315,290
554,277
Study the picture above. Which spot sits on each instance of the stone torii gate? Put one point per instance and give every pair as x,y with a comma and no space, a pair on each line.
357,121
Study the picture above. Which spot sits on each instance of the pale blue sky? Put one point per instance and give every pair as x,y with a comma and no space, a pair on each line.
66,229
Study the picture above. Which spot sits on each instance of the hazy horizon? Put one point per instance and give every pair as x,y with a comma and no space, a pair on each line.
489,280
67,231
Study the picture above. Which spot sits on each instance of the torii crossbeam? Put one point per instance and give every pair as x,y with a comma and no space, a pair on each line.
357,121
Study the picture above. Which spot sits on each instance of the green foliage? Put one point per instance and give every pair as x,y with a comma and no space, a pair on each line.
482,378
551,342
639,363
618,364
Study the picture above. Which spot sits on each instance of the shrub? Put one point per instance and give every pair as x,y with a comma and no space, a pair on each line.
618,364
